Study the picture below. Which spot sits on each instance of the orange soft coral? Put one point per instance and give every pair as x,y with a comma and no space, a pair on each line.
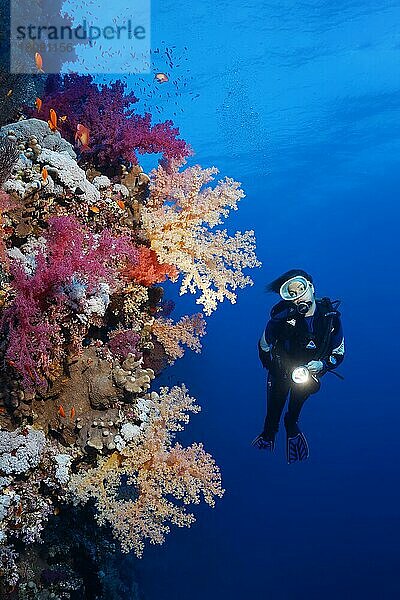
149,270
163,477
172,335
179,220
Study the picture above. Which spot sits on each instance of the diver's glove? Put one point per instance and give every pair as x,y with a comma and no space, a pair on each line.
315,366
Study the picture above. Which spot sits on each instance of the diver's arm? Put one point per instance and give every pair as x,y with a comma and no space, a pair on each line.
336,356
266,343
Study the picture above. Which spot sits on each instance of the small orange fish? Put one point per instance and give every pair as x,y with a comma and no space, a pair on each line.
72,414
38,104
39,62
161,77
63,118
61,411
94,209
9,93
121,204
82,136
53,120
45,174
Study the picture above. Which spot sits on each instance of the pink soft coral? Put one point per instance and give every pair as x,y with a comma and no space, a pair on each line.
32,321
74,249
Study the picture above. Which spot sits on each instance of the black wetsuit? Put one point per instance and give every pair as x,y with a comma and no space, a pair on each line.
291,340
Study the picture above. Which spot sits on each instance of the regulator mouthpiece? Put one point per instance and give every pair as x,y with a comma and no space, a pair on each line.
303,307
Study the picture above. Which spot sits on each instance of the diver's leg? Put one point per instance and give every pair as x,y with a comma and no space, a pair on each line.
296,442
296,403
276,392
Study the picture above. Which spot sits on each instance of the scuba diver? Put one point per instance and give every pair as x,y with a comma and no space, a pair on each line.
302,341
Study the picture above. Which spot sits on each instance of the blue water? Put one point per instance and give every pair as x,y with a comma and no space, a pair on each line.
300,102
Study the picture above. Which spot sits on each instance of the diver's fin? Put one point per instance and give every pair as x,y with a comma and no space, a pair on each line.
262,443
297,448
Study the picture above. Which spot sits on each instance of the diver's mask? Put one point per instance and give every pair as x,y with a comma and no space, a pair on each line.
295,288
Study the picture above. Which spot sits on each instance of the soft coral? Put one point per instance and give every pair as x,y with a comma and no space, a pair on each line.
117,132
149,270
30,322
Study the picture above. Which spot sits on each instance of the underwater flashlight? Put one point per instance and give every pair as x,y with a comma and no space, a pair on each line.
300,375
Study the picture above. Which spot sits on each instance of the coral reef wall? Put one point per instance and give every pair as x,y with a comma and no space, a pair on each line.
87,239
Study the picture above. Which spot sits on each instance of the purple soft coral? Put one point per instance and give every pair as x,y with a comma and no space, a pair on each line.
117,133
123,342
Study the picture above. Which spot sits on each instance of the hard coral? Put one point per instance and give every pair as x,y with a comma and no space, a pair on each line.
23,131
131,376
69,174
20,452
